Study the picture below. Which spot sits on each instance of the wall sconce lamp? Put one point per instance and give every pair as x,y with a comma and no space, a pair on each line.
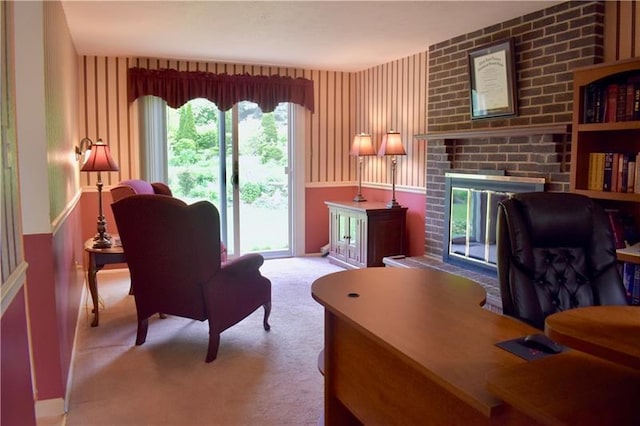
392,145
362,145
99,160
81,150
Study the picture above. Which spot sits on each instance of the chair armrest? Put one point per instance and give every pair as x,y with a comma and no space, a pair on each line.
161,188
121,191
242,265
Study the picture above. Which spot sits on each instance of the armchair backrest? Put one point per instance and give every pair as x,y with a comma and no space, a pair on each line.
555,251
127,188
172,248
138,186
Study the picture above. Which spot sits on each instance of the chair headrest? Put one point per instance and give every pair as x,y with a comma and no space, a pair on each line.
557,218
139,186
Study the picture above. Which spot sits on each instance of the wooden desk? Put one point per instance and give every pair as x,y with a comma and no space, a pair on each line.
98,258
609,332
412,346
572,388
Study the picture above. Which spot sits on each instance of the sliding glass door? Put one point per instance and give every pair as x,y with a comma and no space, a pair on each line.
239,161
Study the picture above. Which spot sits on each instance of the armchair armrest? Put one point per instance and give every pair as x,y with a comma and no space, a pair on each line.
161,188
243,264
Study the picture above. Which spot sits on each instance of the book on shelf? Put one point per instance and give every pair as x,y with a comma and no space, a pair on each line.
623,173
617,228
608,171
612,101
610,107
631,175
636,185
631,281
635,286
596,171
628,277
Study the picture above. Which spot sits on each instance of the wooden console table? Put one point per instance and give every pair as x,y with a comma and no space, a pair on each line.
98,258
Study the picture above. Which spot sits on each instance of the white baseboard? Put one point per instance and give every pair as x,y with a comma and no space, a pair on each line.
50,407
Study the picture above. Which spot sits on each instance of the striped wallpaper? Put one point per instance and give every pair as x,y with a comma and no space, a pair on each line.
388,96
622,34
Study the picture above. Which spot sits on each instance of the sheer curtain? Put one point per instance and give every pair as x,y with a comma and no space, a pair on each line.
153,139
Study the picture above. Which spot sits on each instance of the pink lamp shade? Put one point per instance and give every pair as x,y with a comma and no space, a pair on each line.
100,159
391,144
362,145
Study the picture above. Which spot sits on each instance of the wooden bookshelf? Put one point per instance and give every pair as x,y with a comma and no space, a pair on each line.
618,135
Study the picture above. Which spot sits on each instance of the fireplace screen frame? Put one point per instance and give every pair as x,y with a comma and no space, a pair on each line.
480,187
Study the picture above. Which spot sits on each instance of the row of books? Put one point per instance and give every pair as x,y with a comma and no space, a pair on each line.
607,102
631,281
614,172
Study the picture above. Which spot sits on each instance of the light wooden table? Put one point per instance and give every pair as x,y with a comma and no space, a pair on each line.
609,332
412,346
572,388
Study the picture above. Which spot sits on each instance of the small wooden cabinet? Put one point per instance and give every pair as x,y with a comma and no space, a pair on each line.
362,233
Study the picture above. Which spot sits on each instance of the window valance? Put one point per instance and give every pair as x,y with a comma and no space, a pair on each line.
178,87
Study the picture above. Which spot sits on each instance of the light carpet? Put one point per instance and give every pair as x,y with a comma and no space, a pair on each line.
258,378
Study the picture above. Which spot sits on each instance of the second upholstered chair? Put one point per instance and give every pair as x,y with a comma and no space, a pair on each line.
173,254
555,252
138,186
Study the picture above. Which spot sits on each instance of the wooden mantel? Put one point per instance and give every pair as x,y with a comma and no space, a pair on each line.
554,129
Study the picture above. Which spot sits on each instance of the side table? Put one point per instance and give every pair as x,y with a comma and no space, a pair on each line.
98,257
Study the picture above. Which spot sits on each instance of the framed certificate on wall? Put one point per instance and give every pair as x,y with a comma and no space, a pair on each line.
492,80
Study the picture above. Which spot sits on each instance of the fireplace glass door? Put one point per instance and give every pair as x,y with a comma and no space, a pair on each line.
473,224
471,215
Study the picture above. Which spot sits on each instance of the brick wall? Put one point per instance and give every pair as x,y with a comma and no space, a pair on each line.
548,45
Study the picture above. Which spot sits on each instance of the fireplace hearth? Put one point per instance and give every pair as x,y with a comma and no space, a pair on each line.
471,205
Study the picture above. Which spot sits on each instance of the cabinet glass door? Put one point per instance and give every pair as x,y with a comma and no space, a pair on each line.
342,239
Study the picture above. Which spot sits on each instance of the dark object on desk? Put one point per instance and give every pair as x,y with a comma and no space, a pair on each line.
173,253
555,251
542,343
519,348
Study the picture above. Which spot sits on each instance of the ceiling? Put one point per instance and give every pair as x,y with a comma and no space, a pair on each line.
321,35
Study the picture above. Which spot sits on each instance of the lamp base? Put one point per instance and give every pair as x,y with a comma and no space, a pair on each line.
105,236
393,204
359,198
102,241
102,244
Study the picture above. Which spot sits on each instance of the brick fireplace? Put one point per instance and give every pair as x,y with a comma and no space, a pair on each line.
528,152
535,143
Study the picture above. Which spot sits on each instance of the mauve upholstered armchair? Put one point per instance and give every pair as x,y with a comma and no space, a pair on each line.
555,251
173,253
138,186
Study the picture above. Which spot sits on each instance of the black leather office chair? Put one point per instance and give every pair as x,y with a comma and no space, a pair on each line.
555,251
